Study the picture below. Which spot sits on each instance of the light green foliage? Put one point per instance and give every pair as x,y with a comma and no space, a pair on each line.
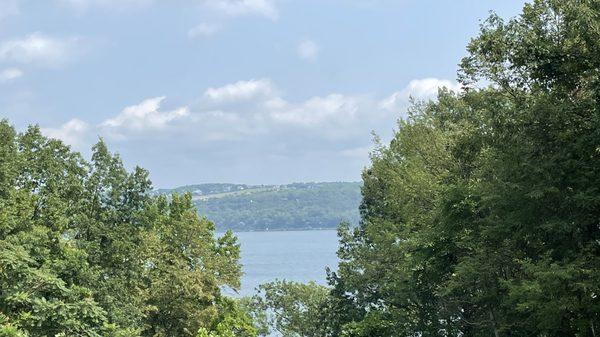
234,320
7,329
293,309
85,250
40,265
186,267
480,218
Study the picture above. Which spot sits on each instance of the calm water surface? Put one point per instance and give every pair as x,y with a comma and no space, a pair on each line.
292,255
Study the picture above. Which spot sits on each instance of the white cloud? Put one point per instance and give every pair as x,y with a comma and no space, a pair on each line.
419,89
334,108
252,119
245,110
244,7
260,107
143,117
203,30
308,50
73,132
10,74
428,87
39,49
241,90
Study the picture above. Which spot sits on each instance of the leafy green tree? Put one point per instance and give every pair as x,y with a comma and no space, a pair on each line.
234,320
186,268
293,309
86,250
481,216
39,263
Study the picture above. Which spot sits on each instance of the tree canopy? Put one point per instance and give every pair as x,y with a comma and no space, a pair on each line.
85,250
481,217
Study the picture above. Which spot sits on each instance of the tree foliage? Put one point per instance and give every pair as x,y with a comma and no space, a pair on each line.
481,217
85,250
293,309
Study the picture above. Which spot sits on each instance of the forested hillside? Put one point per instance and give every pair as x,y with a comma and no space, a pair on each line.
276,207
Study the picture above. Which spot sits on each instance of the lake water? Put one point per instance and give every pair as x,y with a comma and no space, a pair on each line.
292,255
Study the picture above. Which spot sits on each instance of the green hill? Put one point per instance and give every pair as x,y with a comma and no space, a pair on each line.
275,207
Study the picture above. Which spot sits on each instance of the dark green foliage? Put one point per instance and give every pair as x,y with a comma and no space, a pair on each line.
481,217
85,250
284,207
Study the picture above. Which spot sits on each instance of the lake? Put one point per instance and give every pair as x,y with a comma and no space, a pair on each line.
292,255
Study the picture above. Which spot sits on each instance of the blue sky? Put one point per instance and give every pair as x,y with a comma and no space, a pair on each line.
245,91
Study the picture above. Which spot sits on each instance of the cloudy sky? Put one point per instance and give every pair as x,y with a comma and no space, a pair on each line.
245,91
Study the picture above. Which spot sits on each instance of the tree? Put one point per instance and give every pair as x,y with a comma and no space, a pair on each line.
481,215
41,183
185,269
293,309
235,320
86,250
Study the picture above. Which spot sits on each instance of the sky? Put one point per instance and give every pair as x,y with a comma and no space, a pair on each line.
241,91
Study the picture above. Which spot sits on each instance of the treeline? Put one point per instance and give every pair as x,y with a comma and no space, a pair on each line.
482,215
295,206
85,250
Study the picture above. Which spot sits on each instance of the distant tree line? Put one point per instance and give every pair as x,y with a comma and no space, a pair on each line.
294,206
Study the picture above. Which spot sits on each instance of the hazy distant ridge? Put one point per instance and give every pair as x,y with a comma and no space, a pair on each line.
275,207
